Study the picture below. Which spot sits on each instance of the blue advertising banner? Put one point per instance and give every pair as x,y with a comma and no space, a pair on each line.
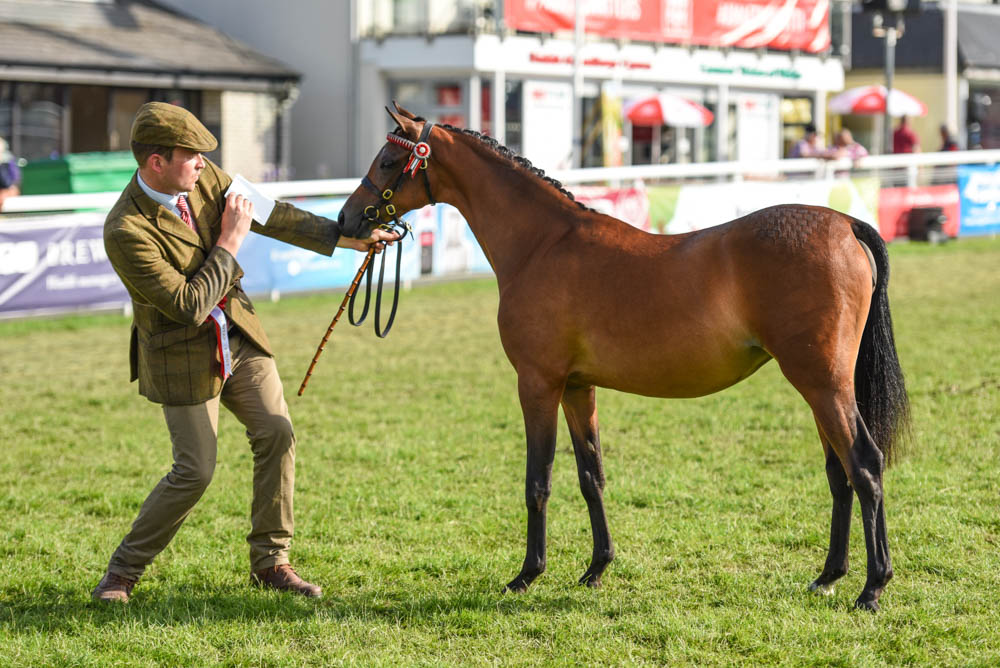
56,263
979,190
272,266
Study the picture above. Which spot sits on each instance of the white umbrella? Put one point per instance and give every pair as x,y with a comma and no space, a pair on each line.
667,109
871,100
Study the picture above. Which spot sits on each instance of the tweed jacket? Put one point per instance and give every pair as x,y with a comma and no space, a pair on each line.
175,277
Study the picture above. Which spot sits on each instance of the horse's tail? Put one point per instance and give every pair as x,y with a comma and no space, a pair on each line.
878,379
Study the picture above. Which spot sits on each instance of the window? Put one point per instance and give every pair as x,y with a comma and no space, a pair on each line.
31,118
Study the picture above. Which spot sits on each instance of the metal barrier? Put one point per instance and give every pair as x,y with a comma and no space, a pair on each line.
911,169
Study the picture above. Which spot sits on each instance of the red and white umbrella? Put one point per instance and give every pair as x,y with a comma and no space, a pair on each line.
667,109
871,100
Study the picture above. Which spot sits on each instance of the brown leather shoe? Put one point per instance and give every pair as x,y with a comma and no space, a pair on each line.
113,588
284,578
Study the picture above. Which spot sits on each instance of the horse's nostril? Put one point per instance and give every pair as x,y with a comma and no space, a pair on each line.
340,219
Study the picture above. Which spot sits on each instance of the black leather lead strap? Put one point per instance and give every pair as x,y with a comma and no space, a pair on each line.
374,214
382,333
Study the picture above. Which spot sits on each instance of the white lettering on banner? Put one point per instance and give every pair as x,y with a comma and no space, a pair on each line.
76,282
630,10
983,187
677,18
75,252
18,257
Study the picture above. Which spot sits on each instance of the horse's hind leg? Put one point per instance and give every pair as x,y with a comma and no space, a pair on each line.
580,407
840,523
540,405
838,417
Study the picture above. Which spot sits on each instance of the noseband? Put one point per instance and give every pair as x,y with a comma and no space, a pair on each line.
420,153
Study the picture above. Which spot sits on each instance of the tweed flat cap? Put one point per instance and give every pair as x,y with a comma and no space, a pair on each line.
163,124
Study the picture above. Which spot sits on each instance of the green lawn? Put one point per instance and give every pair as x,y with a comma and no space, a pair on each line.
410,503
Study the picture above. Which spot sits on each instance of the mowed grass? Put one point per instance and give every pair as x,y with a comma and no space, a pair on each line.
410,503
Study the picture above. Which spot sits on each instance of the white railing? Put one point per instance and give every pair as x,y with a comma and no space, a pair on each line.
907,169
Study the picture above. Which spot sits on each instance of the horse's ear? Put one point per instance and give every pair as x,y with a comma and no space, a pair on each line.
406,124
404,112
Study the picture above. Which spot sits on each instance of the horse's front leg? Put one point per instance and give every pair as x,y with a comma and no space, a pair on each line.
580,407
540,405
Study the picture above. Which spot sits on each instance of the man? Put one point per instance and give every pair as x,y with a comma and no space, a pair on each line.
172,237
948,142
10,174
809,146
844,146
904,139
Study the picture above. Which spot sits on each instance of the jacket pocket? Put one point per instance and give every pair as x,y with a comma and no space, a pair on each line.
162,340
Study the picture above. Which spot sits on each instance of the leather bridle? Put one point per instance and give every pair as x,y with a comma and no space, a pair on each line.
420,153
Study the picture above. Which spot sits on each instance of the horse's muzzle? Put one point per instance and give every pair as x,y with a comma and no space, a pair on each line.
356,227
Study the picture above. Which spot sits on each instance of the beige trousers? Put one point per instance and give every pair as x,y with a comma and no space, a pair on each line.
254,395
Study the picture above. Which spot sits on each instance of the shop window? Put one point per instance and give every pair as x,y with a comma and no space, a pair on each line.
984,117
486,107
125,102
34,119
88,107
7,111
514,115
448,95
592,153
439,101
796,113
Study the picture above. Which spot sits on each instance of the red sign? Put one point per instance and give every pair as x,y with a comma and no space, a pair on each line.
749,24
894,205
628,204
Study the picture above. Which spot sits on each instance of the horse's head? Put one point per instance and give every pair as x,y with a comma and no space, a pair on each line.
392,185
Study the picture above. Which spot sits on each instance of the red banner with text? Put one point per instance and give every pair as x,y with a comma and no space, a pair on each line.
750,24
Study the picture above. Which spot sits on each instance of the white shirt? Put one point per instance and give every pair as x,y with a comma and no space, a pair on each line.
167,201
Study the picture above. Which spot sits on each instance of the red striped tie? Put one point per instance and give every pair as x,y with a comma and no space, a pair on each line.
182,206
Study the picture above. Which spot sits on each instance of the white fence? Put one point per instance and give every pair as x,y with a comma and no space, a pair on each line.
912,169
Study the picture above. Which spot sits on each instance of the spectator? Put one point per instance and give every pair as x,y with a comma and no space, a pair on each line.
948,142
844,146
10,174
904,139
808,146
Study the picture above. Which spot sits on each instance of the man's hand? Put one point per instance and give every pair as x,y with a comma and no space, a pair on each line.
236,219
378,239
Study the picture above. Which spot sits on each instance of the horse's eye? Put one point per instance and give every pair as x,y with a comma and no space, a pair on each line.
387,163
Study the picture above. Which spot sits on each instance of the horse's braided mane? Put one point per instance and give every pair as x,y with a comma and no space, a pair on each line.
513,158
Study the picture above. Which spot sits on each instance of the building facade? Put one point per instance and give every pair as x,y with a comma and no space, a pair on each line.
490,65
510,69
919,70
74,72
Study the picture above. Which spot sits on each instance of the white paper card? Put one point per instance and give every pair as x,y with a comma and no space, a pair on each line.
262,205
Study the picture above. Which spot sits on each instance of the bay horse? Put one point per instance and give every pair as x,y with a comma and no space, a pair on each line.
587,300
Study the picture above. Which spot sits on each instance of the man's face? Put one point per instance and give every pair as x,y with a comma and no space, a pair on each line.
181,172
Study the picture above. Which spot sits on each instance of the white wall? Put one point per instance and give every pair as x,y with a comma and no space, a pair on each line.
314,38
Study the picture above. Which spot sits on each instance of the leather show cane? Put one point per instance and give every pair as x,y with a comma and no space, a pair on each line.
343,305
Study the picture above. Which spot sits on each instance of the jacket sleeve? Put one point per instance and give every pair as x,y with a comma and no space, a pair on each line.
286,223
292,225
145,271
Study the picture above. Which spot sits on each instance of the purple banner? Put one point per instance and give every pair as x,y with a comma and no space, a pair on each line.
55,264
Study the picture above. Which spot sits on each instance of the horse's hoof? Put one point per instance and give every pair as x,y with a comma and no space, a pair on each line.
592,581
822,589
871,605
516,586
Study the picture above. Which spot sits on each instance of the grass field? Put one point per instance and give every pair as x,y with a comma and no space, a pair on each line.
410,503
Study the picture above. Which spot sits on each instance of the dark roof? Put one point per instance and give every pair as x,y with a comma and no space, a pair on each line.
129,35
922,43
978,34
